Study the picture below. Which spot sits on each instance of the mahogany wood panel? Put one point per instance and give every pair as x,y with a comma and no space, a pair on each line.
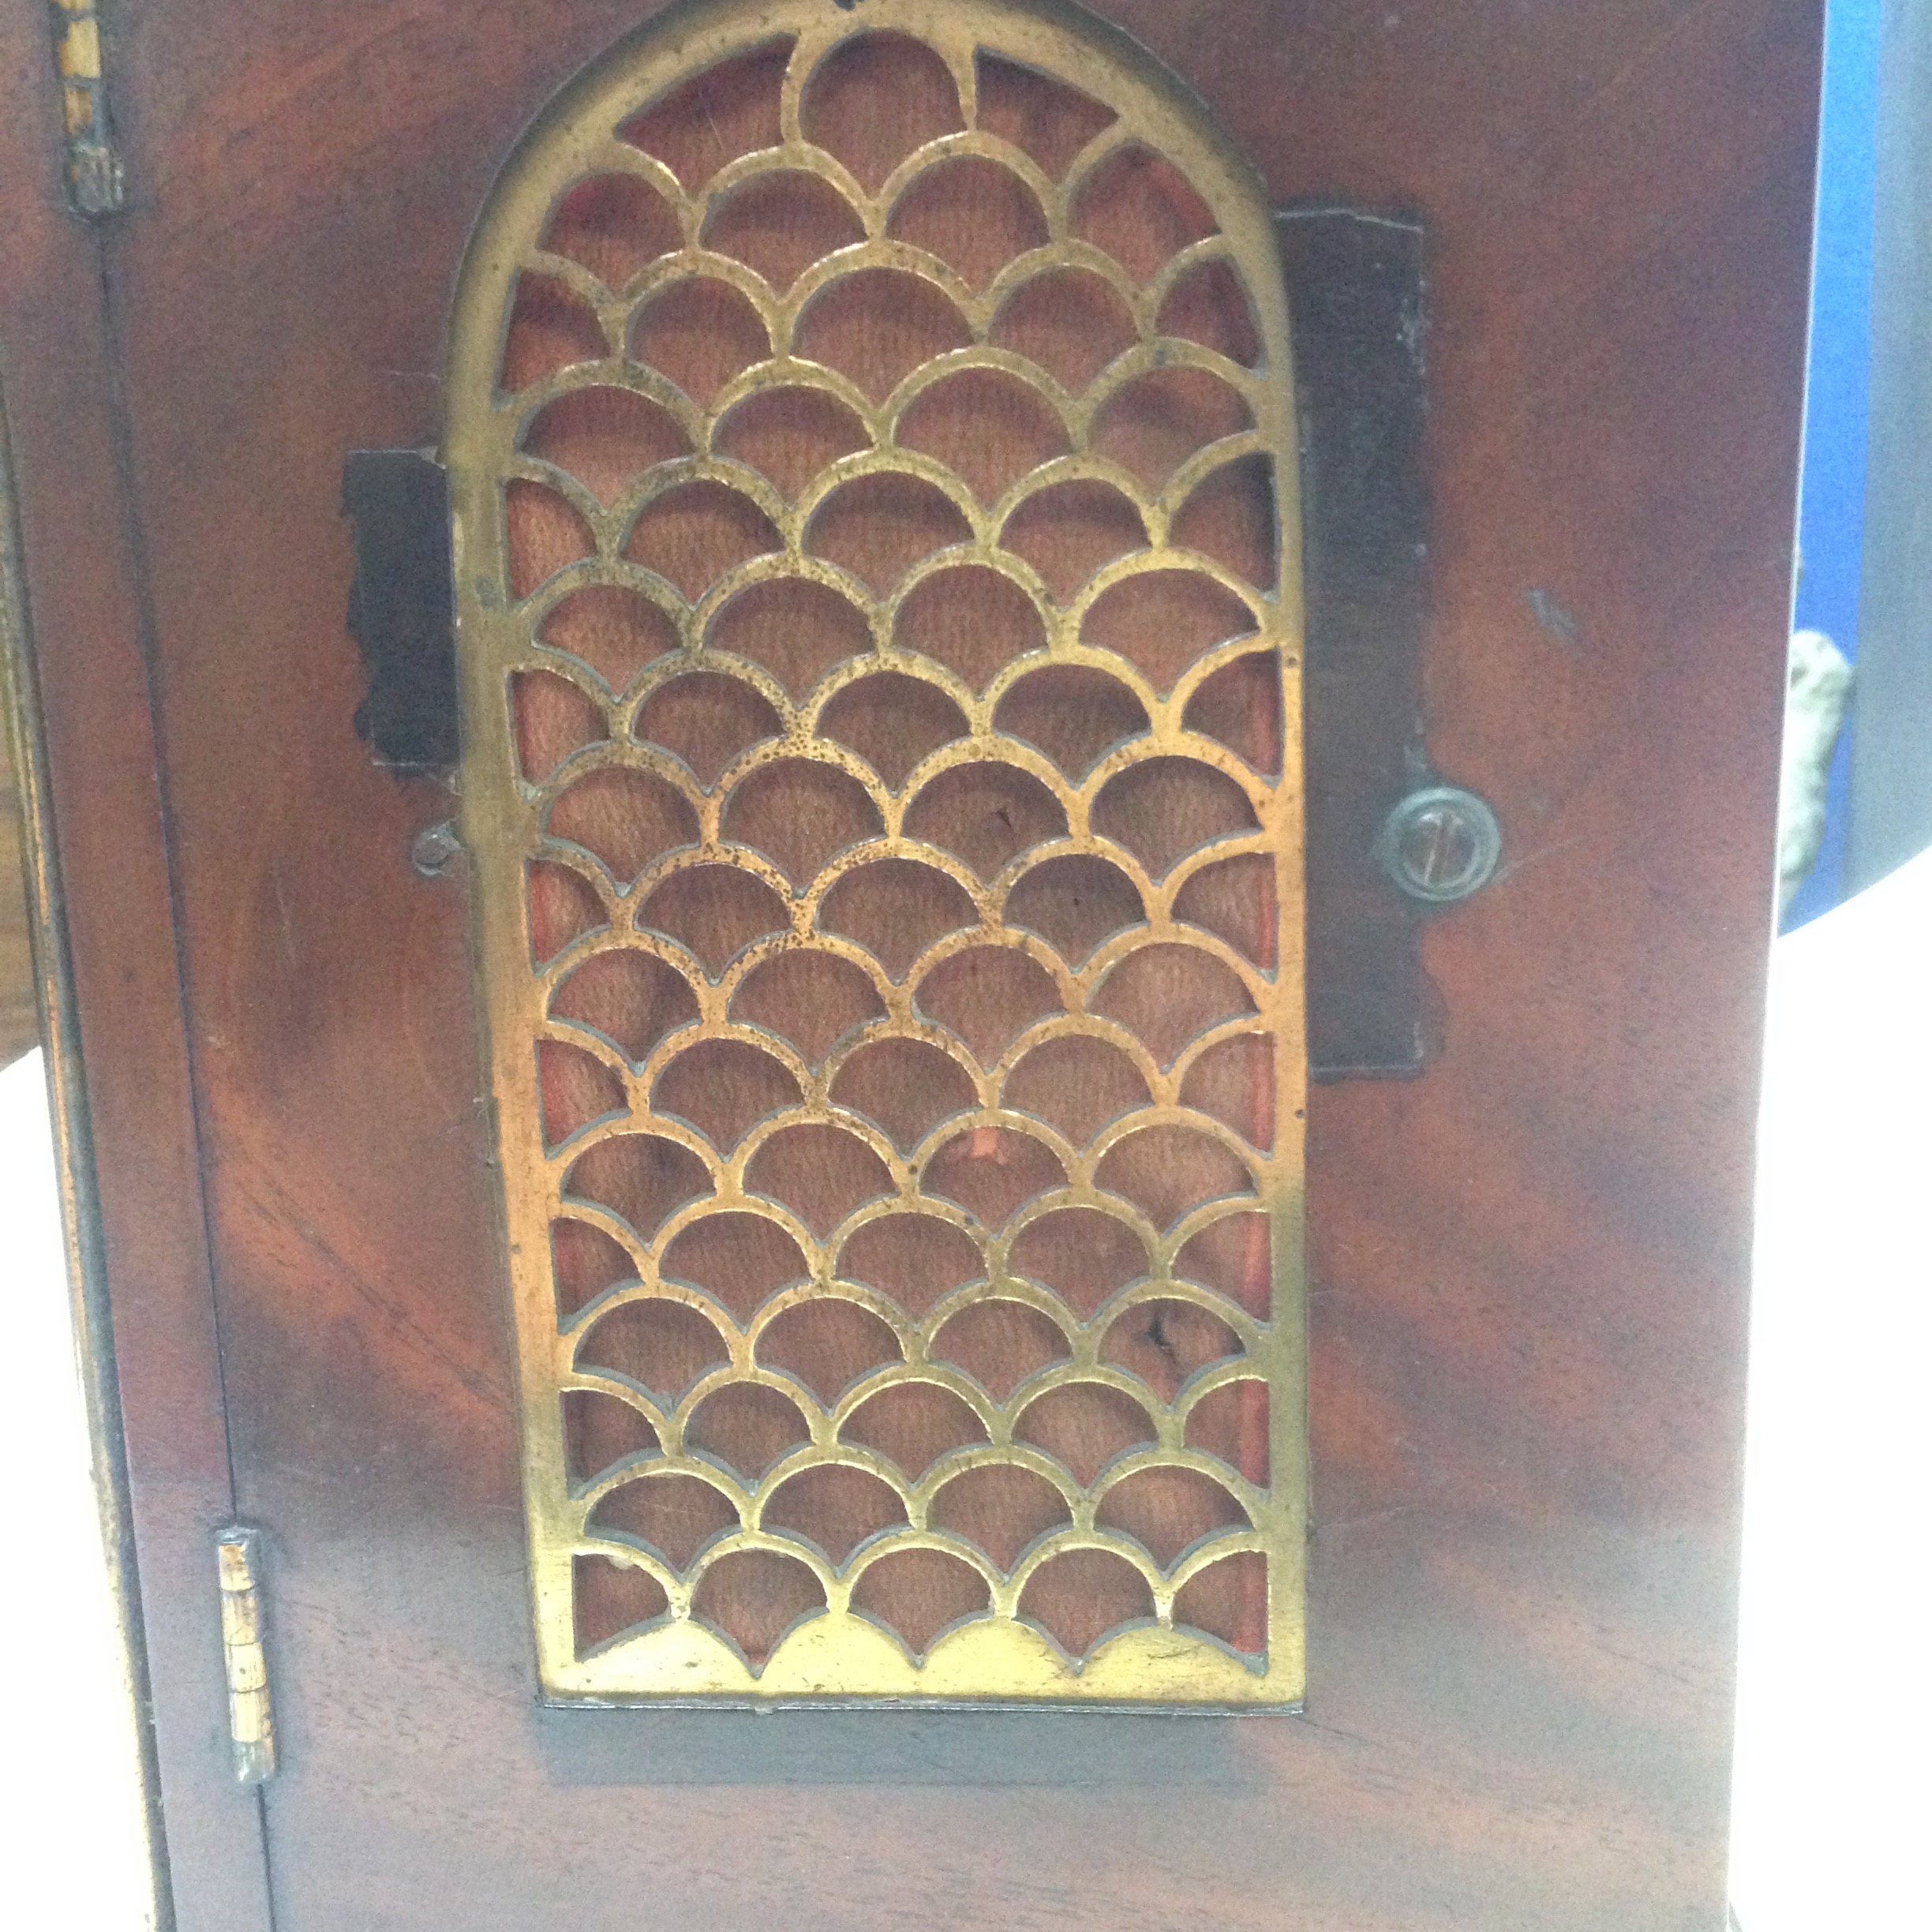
1529,1265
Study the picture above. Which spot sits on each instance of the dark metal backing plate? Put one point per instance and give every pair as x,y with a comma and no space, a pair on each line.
1355,293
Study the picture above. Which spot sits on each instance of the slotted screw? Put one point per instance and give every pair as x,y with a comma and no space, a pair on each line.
1440,845
433,847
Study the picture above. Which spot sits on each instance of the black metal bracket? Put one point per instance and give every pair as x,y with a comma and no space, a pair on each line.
1356,300
401,606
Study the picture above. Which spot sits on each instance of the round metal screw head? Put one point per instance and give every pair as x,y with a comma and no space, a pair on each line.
1440,845
433,848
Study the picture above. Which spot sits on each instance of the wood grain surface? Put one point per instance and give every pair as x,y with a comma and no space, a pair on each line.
1529,1265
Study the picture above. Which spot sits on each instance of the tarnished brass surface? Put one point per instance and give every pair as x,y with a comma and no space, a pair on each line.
251,1715
94,179
839,1653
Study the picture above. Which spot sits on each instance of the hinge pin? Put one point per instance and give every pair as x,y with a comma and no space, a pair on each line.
95,181
251,1723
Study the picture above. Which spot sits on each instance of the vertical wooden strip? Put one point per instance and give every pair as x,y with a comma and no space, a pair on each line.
123,1091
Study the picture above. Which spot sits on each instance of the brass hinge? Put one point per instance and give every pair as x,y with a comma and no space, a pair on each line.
251,1721
95,185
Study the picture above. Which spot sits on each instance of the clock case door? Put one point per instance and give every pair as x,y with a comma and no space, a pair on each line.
1528,1265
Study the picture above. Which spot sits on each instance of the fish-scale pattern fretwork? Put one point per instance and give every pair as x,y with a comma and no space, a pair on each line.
890,564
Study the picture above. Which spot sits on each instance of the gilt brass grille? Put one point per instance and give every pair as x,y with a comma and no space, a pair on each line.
871,450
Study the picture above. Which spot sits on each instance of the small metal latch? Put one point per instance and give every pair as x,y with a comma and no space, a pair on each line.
1388,842
251,1722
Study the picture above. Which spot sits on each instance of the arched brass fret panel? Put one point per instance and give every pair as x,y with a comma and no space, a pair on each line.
872,452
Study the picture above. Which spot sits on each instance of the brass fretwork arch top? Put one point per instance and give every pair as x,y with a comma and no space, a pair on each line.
872,458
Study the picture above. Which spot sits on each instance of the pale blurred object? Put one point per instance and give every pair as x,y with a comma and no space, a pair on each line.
1833,1782
71,1851
1818,687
